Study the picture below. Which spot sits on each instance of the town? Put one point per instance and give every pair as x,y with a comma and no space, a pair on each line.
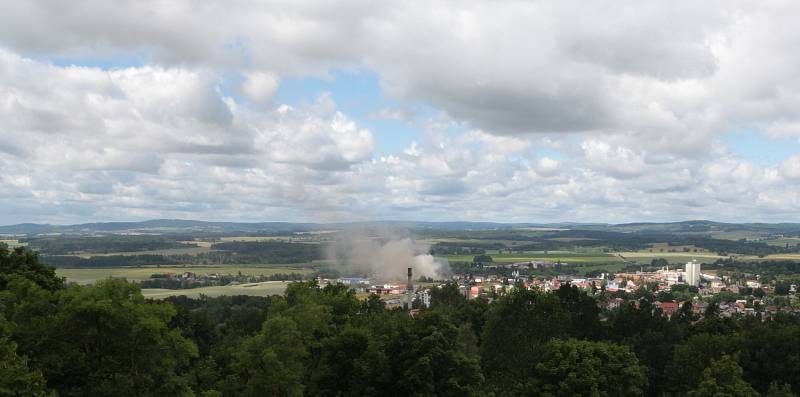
672,288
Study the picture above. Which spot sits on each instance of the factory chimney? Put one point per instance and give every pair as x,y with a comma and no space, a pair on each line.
409,290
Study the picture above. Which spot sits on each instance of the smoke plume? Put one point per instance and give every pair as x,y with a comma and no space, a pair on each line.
384,255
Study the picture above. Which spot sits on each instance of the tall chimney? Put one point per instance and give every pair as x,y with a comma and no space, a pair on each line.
409,290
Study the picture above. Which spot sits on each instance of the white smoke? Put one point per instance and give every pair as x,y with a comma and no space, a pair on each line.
384,256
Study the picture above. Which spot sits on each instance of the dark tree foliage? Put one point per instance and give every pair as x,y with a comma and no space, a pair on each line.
583,312
108,340
270,251
72,261
651,336
101,245
24,263
17,378
572,367
723,377
516,330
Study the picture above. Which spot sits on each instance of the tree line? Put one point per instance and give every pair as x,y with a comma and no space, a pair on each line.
108,340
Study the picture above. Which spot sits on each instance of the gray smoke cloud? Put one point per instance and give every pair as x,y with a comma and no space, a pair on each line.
384,255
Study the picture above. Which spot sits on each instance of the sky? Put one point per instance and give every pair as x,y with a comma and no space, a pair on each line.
354,110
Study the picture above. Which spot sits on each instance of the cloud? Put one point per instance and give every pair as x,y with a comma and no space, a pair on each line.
635,98
154,140
665,69
790,168
259,86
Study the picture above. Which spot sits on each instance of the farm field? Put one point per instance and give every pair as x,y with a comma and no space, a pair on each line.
304,238
253,238
189,250
266,288
736,235
88,276
773,257
608,267
568,257
12,243
197,243
671,257
781,242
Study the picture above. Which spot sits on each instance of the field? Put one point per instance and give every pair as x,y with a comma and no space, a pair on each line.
737,235
88,276
782,242
12,243
198,243
645,257
773,257
189,250
254,289
251,239
609,267
303,238
550,256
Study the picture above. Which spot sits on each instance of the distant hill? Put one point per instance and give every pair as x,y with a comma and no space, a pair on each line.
180,225
166,226
705,227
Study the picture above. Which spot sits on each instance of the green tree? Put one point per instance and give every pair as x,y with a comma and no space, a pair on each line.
651,336
770,352
446,296
782,288
584,368
583,312
779,390
723,378
337,369
273,362
101,340
516,329
690,358
434,362
16,376
25,263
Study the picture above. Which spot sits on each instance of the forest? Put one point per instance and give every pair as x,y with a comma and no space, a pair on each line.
108,340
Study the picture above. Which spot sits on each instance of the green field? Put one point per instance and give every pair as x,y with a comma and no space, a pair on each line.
267,288
773,257
671,257
608,267
551,256
189,250
781,242
88,276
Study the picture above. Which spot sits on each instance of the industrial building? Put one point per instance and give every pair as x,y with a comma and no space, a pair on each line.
692,273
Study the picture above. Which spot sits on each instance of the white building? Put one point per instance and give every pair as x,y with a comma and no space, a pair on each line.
692,273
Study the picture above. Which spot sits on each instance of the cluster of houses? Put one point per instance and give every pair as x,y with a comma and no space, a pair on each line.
661,280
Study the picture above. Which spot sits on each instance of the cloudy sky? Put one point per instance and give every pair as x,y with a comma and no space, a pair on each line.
530,111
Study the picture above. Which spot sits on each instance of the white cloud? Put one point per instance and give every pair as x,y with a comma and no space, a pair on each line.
634,96
790,168
260,86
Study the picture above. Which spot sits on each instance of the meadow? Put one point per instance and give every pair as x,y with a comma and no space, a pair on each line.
645,257
550,256
773,257
90,275
189,250
266,288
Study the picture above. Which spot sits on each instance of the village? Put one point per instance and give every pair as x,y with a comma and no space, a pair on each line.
673,289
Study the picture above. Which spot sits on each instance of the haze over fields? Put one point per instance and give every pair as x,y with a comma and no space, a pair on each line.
346,111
